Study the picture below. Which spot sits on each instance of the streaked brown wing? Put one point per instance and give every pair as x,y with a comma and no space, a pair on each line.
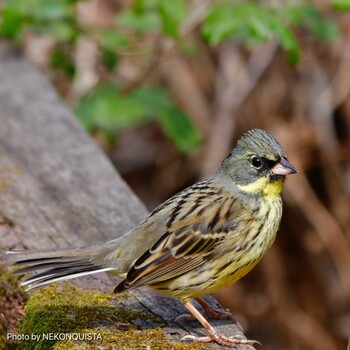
173,255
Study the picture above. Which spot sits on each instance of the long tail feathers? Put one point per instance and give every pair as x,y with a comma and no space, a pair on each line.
53,267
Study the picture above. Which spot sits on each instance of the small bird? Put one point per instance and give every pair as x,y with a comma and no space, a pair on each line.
204,238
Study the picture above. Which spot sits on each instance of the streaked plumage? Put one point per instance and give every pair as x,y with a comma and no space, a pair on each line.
204,238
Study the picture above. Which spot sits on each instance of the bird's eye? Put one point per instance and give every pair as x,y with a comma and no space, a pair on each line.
256,162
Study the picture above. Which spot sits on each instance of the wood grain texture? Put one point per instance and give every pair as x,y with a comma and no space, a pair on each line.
58,189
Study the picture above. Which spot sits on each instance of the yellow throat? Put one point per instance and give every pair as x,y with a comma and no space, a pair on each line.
265,186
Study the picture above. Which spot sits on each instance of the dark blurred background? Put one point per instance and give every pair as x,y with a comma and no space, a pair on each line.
167,87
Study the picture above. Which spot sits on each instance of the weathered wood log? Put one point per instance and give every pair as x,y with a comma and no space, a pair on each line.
58,190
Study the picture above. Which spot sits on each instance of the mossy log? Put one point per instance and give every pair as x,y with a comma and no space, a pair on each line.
58,190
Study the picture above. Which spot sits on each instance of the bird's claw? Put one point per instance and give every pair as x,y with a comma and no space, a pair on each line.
221,339
194,338
185,317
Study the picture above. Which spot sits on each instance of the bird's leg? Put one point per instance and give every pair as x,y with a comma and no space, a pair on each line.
215,313
214,335
209,311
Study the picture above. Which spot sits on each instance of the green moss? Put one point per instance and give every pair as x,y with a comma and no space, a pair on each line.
12,299
152,339
66,318
9,282
57,311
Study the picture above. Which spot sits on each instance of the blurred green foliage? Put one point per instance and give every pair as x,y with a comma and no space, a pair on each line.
43,17
105,108
253,23
341,5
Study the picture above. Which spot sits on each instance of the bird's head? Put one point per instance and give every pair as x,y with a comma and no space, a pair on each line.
258,164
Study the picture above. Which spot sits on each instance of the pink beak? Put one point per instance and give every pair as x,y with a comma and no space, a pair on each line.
283,168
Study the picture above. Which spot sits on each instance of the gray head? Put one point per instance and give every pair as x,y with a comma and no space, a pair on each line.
257,156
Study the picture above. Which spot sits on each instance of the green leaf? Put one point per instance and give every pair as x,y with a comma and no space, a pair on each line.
221,23
179,130
259,28
172,14
175,124
42,9
106,109
140,6
50,9
288,42
58,30
11,22
341,5
46,17
249,22
311,18
63,61
110,58
252,23
113,40
140,22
